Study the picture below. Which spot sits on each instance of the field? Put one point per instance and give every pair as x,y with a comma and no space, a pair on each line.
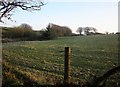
43,61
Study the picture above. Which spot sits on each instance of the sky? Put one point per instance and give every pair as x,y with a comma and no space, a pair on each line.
100,14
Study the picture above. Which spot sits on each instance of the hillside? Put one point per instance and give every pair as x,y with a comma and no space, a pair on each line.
42,62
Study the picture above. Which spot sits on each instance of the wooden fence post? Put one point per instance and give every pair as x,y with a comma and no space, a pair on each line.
67,65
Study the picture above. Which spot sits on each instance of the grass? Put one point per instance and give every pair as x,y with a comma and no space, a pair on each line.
90,55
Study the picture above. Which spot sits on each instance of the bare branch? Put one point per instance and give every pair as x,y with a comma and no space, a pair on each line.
97,80
6,6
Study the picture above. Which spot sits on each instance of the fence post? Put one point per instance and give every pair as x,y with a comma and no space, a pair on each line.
67,65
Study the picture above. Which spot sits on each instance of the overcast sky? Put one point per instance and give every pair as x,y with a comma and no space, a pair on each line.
78,13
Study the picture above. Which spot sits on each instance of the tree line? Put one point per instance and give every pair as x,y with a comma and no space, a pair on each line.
87,31
91,31
53,31
25,32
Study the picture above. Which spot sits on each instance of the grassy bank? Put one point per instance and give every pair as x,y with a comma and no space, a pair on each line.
44,60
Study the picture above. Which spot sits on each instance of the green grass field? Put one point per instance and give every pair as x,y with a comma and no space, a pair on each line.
43,61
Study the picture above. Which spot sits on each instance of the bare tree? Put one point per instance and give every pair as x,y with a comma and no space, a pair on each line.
7,6
94,29
25,26
87,30
79,30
